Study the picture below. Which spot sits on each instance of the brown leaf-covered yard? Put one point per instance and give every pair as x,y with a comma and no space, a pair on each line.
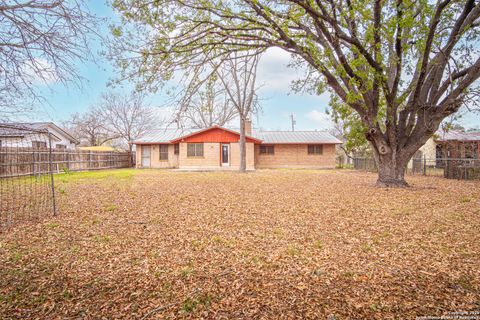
279,244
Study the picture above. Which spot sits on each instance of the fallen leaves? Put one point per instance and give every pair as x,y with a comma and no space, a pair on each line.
268,244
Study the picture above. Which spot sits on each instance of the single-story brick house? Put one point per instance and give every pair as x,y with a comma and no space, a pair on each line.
218,148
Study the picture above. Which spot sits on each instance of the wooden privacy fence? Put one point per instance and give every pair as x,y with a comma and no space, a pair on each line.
32,161
82,160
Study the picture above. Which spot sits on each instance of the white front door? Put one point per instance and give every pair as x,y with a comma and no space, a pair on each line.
145,156
225,154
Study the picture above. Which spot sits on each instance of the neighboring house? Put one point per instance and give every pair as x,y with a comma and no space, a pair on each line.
441,145
457,144
30,135
447,145
218,148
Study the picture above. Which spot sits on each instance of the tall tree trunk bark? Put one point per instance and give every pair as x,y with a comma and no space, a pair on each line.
392,155
243,148
391,170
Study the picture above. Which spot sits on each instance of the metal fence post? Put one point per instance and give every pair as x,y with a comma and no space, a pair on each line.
33,162
424,165
50,165
67,159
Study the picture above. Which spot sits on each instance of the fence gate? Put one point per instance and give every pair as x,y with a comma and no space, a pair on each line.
27,190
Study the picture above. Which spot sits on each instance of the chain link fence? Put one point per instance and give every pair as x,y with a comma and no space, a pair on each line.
27,190
450,168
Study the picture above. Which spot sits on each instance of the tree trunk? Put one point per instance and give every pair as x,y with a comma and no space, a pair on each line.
243,148
391,170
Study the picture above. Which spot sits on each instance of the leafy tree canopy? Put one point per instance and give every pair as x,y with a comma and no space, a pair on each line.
401,65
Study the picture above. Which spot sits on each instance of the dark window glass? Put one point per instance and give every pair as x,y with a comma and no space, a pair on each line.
315,149
225,153
471,150
39,144
176,148
163,151
195,150
267,150
60,146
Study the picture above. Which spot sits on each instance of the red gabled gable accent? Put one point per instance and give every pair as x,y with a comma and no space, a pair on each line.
214,134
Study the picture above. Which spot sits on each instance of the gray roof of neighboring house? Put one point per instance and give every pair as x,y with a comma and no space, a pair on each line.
267,137
35,126
7,131
454,135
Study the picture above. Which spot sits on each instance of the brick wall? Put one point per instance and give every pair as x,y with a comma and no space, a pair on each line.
235,156
138,156
210,159
155,161
295,156
285,156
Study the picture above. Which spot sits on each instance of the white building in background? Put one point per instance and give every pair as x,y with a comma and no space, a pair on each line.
29,135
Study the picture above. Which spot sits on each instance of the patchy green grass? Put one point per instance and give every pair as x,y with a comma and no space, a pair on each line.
117,174
311,244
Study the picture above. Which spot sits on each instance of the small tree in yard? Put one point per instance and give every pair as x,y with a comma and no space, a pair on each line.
348,127
402,66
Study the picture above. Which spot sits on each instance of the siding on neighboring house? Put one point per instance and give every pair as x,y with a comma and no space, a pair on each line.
295,156
428,151
63,140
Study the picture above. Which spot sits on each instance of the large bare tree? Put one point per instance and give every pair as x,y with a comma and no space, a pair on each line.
208,105
125,116
238,73
40,43
220,91
89,129
401,65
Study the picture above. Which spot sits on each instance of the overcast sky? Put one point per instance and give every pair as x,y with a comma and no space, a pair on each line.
277,99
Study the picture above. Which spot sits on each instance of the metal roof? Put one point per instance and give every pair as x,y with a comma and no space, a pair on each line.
166,135
163,135
454,135
294,137
39,126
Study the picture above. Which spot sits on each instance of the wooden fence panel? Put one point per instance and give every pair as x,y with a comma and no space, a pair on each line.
28,161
